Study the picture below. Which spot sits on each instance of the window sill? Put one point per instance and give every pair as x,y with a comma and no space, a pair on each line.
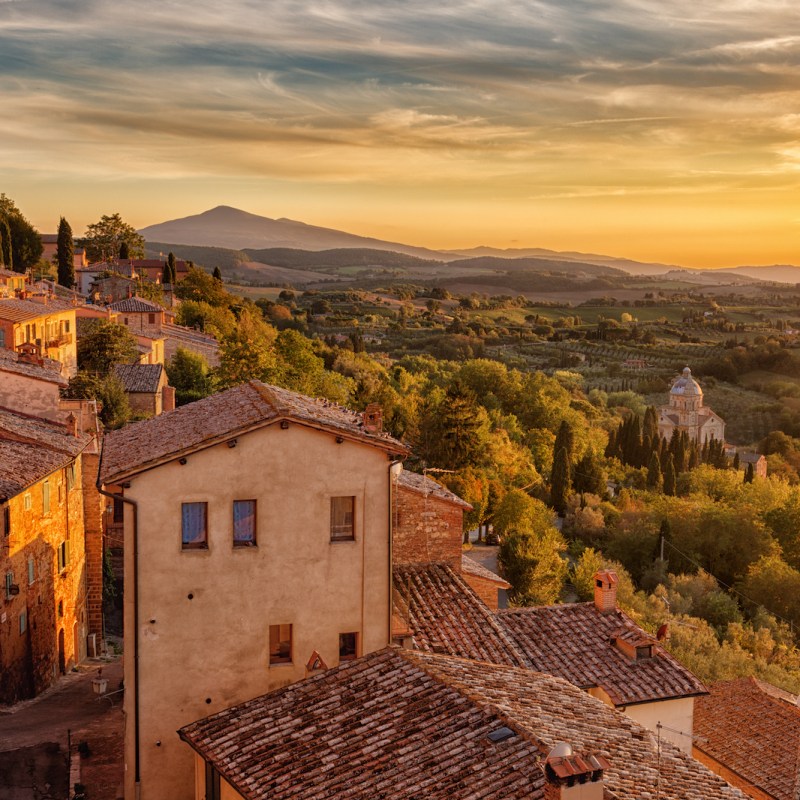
343,539
273,664
195,547
244,545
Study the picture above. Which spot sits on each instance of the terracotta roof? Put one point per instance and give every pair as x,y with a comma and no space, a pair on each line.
750,458
474,568
752,732
31,449
9,273
424,485
135,305
49,370
180,333
140,377
446,616
574,641
15,310
219,417
401,725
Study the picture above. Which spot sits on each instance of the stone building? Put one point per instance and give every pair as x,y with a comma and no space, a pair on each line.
44,612
257,551
147,387
686,412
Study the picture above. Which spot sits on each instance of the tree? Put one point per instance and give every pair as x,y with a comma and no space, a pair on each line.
124,251
171,268
199,285
103,240
654,472
217,274
560,481
5,244
188,373
65,252
669,477
588,476
750,474
532,563
108,390
104,344
26,244
248,353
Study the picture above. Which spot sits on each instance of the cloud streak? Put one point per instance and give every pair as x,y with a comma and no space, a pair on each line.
529,100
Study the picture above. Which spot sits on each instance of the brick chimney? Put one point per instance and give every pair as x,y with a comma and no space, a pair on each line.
569,776
168,398
373,418
72,424
605,591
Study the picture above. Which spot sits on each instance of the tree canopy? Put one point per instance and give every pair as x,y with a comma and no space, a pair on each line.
21,244
105,238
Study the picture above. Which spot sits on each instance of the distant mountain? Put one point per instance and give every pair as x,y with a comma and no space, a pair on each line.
625,264
530,264
237,230
780,273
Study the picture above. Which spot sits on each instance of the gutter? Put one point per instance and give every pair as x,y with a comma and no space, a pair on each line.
135,637
392,470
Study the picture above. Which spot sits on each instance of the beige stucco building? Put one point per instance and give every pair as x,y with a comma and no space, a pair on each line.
686,412
257,550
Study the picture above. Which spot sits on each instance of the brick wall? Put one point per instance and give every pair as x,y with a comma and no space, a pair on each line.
94,505
485,589
426,529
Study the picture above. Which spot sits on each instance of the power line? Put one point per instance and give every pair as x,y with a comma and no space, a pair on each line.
789,622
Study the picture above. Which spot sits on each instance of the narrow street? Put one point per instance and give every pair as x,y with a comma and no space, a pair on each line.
34,736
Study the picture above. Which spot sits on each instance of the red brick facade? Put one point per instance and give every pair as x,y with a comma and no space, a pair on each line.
427,529
484,588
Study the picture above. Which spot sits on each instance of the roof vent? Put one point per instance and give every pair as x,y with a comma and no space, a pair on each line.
501,734
561,750
372,419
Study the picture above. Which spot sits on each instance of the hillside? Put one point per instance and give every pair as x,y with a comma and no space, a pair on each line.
231,228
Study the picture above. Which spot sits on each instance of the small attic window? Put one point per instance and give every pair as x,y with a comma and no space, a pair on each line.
598,583
644,651
500,735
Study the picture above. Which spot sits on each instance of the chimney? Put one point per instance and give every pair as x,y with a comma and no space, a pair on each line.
72,424
373,418
605,591
569,776
168,398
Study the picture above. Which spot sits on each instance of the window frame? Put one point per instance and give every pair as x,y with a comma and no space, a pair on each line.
339,531
275,658
348,656
46,497
194,545
253,540
63,556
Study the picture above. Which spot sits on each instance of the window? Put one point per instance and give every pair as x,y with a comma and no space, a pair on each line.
46,497
244,523
23,622
6,520
342,516
63,556
151,319
119,511
2,338
26,501
31,570
280,644
66,326
60,608
70,477
9,584
348,646
194,528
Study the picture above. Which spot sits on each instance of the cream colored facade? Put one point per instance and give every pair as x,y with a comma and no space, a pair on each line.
676,718
202,619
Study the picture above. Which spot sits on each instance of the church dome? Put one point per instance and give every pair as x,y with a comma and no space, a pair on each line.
686,385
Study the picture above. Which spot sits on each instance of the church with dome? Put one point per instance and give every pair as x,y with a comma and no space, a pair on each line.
686,412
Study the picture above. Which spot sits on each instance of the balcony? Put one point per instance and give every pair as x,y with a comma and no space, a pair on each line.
59,341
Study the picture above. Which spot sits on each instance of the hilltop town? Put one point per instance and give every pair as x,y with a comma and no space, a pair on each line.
395,536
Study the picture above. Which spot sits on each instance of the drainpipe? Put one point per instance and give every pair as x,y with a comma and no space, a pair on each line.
135,637
392,472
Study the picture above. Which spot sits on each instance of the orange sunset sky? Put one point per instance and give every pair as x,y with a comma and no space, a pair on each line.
660,131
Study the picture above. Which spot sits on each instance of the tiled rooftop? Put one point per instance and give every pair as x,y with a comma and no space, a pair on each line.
474,568
574,641
754,730
49,370
135,305
446,616
400,725
31,449
429,487
15,310
220,416
140,377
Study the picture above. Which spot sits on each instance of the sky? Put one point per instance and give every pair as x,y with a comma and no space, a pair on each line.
659,130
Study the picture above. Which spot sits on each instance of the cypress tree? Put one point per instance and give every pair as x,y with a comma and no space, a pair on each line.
654,472
124,251
588,477
694,456
650,425
166,275
736,462
750,474
5,244
669,478
217,274
173,272
565,438
560,481
65,254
